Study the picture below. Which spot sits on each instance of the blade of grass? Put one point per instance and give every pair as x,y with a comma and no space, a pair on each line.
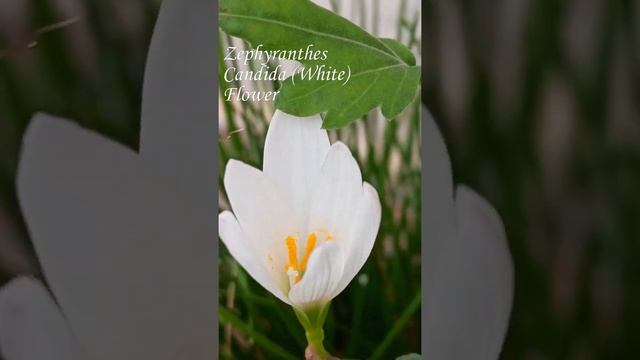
222,67
227,317
397,327
376,17
356,322
294,328
401,12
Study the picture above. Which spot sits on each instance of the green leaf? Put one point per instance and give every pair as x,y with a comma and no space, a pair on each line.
405,54
383,72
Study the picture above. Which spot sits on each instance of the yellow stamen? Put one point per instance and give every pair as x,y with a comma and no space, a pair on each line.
311,244
293,253
294,269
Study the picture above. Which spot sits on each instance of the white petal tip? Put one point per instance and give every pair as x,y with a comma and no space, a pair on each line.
369,190
231,168
226,219
340,146
472,202
280,115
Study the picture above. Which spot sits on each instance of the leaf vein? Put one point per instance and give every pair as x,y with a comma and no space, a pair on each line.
395,95
336,37
360,97
330,82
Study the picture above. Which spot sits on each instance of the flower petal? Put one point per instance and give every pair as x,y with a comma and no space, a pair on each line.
294,150
365,230
264,215
130,261
439,236
31,325
336,194
439,212
322,277
244,253
472,300
178,128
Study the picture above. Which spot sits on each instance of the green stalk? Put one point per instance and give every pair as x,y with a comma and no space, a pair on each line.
312,320
315,338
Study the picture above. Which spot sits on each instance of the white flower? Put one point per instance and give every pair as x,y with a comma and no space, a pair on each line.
467,268
305,225
126,239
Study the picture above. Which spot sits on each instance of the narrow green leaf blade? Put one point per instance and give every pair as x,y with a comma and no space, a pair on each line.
397,327
228,317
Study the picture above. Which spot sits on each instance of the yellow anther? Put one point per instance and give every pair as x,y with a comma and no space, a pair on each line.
292,247
294,270
311,244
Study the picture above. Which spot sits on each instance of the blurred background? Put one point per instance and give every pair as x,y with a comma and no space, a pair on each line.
84,60
539,103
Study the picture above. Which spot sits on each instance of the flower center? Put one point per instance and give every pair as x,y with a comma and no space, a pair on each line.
296,269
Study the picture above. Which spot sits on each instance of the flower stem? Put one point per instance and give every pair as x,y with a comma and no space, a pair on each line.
312,320
315,337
